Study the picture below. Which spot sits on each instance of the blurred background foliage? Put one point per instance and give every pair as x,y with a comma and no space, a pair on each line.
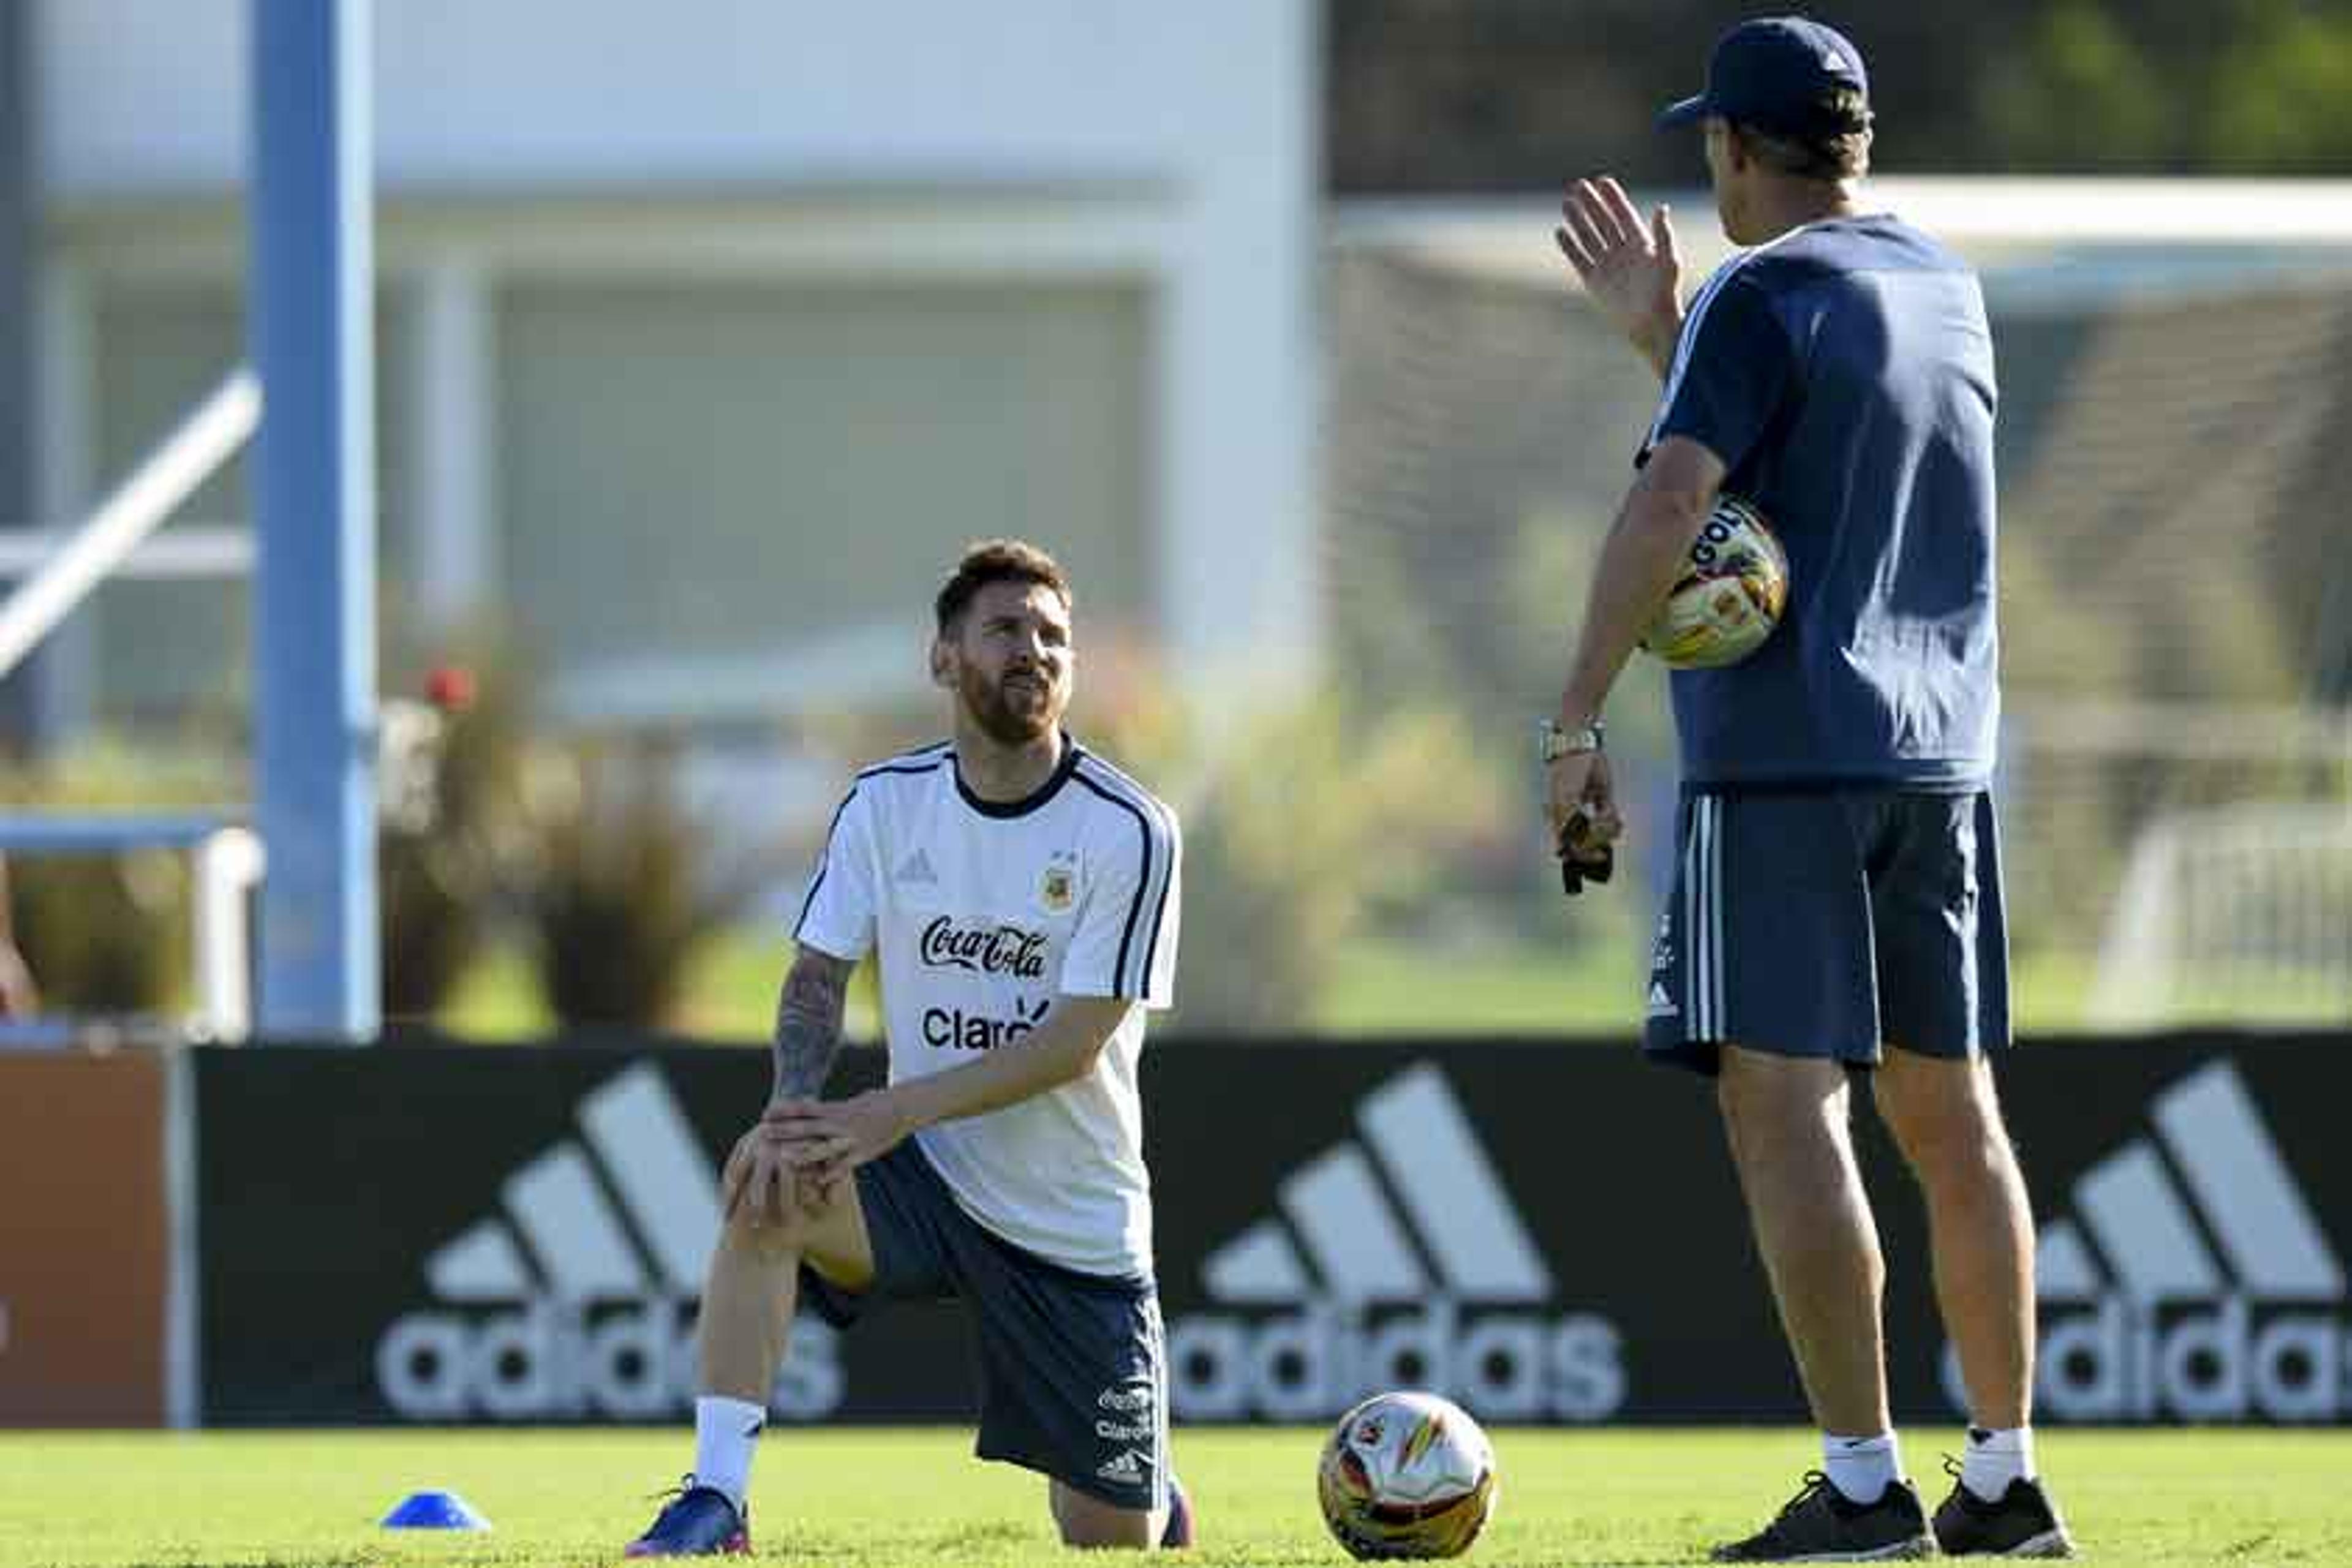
622,885
451,823
1311,827
107,935
1428,96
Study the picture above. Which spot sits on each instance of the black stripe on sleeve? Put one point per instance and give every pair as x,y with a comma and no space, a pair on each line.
808,900
1118,981
1147,825
1158,908
1165,821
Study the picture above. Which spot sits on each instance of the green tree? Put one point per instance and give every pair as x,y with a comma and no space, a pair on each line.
2279,93
2080,95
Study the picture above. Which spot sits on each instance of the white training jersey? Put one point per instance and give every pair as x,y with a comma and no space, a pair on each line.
983,913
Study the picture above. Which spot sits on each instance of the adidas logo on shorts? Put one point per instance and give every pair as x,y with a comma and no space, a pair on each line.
1130,1467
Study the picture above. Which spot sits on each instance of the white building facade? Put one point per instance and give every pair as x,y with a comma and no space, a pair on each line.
708,331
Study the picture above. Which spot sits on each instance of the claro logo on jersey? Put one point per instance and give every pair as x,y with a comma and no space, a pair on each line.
2193,1281
621,1223
1465,1312
989,948
955,1029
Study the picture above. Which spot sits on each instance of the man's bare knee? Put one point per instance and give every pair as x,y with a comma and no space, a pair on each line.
1943,1115
768,1239
1772,1099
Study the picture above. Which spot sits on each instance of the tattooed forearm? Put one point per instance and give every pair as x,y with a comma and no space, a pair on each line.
808,1023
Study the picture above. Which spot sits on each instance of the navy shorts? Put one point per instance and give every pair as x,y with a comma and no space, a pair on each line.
1830,924
1073,1366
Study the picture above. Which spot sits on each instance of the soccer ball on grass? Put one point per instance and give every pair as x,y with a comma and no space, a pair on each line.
1406,1475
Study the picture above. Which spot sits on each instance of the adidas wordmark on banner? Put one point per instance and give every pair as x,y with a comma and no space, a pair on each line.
572,1298
2192,1281
1397,1260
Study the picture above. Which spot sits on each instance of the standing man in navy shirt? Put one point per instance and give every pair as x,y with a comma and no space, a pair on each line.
1837,907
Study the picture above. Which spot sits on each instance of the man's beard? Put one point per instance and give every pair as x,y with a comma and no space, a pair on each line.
993,711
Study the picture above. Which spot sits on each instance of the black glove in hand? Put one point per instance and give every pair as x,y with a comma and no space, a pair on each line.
1580,859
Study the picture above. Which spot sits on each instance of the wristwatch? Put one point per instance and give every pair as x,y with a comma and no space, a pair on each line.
1553,743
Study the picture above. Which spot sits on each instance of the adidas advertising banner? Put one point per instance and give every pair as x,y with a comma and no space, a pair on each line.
1548,1234
444,1233
1555,1234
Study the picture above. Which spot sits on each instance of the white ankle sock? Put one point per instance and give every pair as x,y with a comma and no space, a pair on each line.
1861,1468
725,1431
1994,1459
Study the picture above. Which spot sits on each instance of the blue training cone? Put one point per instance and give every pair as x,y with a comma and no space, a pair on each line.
434,1510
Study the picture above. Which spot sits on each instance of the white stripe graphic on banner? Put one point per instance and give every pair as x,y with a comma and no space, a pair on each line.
482,1265
1449,1187
662,1174
1358,1245
569,1224
2143,1229
2063,1269
1259,1265
2262,1221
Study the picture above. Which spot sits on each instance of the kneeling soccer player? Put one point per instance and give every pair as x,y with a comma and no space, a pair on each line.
1023,895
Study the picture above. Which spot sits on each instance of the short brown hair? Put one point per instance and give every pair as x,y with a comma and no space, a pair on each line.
1836,146
997,561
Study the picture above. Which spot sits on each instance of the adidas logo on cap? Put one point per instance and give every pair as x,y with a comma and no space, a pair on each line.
1380,1270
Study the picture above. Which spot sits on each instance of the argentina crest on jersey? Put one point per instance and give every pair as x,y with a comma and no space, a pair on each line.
1057,885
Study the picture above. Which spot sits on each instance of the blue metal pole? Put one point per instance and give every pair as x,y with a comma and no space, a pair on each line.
310,293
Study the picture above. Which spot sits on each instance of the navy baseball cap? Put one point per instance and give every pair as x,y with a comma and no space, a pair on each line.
1777,73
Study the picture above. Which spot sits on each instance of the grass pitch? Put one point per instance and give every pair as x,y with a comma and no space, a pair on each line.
867,1498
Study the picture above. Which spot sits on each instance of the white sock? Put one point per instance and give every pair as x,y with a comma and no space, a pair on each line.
725,1431
1861,1468
1994,1459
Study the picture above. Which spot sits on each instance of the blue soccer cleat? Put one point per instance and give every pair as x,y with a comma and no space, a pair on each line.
1178,1531
696,1521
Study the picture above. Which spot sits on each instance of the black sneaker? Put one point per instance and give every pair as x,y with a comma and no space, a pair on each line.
697,1521
2022,1523
1818,1525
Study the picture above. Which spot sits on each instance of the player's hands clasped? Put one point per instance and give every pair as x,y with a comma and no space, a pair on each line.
764,1180
830,1138
1633,272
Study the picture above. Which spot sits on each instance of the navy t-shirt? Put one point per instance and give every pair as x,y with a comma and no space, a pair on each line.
1844,374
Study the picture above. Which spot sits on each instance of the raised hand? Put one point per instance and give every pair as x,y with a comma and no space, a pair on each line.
1632,270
